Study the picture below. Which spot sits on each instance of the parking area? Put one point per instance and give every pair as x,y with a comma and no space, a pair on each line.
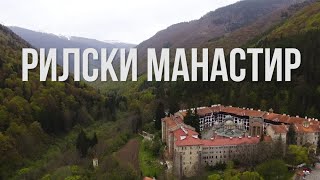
315,175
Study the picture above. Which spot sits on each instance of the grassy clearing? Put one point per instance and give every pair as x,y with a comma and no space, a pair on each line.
149,164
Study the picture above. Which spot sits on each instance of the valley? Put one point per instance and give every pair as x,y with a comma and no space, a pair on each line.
54,130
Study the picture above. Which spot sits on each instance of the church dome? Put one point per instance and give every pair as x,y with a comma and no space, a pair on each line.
229,123
228,117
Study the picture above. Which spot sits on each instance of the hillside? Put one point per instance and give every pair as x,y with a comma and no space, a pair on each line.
33,113
256,29
283,97
298,97
306,20
228,27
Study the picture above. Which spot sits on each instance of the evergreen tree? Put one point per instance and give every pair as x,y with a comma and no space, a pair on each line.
278,148
94,140
159,115
192,119
188,118
291,135
82,143
173,106
196,123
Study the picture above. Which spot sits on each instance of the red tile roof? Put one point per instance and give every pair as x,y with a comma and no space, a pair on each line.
254,113
234,110
216,108
189,141
172,121
281,118
297,120
286,118
280,128
272,116
186,137
310,129
179,132
169,122
204,111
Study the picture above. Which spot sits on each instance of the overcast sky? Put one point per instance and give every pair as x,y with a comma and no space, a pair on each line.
124,20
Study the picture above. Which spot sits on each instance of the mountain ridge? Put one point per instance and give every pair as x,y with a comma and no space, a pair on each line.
215,25
23,32
48,40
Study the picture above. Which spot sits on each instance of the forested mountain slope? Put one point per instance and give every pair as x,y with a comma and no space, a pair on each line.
298,97
227,27
31,112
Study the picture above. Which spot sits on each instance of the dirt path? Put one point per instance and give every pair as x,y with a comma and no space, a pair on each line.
128,155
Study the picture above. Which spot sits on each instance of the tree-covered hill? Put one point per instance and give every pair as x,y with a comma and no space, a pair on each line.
307,19
228,27
298,97
32,112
